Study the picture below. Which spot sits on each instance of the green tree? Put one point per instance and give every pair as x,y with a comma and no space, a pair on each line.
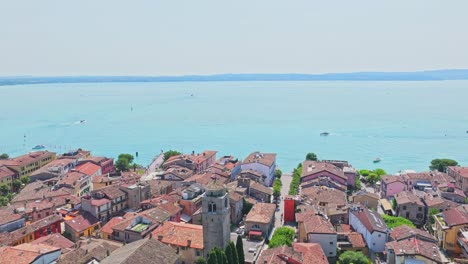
295,182
311,156
219,255
240,250
4,189
442,164
364,173
201,261
235,257
17,184
358,182
122,165
128,157
353,257
24,180
225,260
380,172
3,201
278,173
394,221
4,156
170,153
212,258
373,178
394,204
432,212
277,188
229,255
282,236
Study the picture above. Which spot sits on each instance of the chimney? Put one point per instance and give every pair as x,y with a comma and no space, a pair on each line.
189,242
160,237
107,252
150,235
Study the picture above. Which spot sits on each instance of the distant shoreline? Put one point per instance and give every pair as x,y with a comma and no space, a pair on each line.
435,75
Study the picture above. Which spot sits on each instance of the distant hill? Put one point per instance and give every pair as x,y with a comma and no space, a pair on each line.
436,75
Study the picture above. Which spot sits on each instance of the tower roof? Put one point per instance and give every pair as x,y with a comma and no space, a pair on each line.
214,186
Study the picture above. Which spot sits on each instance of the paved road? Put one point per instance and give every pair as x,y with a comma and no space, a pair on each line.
286,181
156,163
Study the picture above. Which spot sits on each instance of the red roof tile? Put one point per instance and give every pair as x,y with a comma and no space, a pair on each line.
88,168
179,234
82,222
318,225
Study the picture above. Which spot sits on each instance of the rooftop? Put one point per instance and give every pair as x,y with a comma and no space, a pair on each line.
11,237
82,222
456,216
310,167
407,197
319,225
179,234
55,240
370,219
261,213
267,159
90,249
6,172
403,232
322,196
414,246
72,178
88,168
141,252
463,171
24,253
388,179
27,158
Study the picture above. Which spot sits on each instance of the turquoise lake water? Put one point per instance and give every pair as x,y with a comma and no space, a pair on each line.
406,124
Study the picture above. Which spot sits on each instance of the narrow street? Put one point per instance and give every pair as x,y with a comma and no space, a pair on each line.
156,163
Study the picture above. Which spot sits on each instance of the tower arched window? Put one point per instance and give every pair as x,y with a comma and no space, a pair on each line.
225,203
211,208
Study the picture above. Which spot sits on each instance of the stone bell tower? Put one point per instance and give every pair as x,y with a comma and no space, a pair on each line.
215,217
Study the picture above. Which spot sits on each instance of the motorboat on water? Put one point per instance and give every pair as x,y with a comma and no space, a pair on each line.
39,147
324,134
376,160
82,121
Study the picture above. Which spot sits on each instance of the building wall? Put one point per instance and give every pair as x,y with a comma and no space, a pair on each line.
374,242
289,210
268,172
236,211
216,224
326,241
75,236
264,197
412,212
324,174
351,178
11,226
254,226
460,181
52,229
450,242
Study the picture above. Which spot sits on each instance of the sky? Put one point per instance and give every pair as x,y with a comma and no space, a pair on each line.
151,37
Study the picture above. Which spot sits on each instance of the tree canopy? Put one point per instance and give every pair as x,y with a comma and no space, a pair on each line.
296,180
353,257
278,173
311,156
442,164
240,249
282,236
200,261
394,221
277,188
4,156
170,153
124,161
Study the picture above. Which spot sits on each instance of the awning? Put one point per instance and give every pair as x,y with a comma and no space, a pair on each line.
185,218
255,233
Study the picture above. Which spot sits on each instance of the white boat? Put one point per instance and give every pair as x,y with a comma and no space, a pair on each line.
324,134
376,160
39,147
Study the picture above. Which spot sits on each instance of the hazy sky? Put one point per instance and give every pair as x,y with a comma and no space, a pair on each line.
112,37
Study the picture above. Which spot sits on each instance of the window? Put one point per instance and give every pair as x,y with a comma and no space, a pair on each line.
373,244
379,235
404,207
419,209
419,215
198,253
225,203
331,243
407,214
330,253
116,234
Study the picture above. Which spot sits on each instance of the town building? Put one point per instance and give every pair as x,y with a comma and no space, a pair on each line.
99,207
391,185
7,176
215,217
106,164
55,240
462,240
9,221
40,208
255,189
259,221
187,240
197,163
136,193
29,253
236,203
79,183
175,174
90,250
316,173
33,231
55,169
191,201
405,232
349,240
263,163
410,207
371,226
412,250
228,165
158,187
82,225
299,253
447,226
460,174
370,200
90,169
143,251
319,230
167,202
117,197
26,164
77,154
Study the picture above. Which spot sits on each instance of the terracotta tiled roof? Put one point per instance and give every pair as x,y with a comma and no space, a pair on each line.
24,253
318,225
82,222
261,213
356,240
28,158
179,234
272,255
370,219
142,252
179,171
38,190
11,237
408,198
87,250
112,192
310,167
323,195
311,252
6,172
88,168
266,159
261,188
206,177
462,171
107,228
55,240
47,203
456,216
403,232
55,163
413,247
167,202
235,197
72,178
388,179
7,216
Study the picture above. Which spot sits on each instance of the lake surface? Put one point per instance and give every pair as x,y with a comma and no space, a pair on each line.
406,124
